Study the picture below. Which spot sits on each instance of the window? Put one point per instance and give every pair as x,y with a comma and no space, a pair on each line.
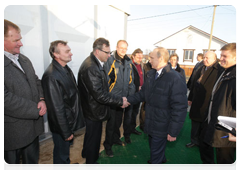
171,51
206,50
188,55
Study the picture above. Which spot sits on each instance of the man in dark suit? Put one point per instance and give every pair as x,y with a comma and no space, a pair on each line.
95,98
164,92
24,103
196,67
200,93
63,101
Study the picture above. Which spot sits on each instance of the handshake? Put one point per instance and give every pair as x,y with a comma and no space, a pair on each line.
125,103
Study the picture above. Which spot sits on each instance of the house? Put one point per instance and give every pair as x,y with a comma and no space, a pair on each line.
187,43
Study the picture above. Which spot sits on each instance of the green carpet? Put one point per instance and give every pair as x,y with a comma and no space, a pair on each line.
138,152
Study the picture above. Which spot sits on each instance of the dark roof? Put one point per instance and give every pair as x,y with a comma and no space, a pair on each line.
196,29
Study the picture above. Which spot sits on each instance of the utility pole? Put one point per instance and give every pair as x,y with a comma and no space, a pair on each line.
210,40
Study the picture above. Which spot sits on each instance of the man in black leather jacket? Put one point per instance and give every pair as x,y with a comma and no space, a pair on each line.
95,98
62,100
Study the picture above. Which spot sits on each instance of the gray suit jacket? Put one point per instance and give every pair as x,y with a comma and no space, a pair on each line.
22,92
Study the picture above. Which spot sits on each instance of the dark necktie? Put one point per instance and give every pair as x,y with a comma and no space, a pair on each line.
156,75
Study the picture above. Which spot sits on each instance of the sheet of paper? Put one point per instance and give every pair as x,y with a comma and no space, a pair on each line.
230,121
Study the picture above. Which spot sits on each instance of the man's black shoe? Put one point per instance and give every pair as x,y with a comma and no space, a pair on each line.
128,140
109,153
74,166
164,161
119,142
99,167
198,166
136,132
190,145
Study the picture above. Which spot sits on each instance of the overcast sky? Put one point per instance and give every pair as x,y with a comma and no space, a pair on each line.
148,24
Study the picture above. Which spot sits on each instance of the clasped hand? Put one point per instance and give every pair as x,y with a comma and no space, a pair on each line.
125,103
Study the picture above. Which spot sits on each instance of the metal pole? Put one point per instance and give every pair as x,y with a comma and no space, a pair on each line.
210,40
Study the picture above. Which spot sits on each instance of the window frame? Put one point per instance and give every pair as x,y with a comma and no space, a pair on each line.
188,60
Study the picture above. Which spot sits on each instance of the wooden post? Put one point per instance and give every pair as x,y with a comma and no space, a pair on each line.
210,40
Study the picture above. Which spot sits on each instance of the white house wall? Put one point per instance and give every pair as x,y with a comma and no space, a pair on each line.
190,39
79,25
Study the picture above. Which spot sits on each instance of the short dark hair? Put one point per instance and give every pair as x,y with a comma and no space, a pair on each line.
9,24
98,44
138,50
200,54
174,55
231,47
53,47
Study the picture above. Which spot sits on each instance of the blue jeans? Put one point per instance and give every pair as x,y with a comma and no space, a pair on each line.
61,149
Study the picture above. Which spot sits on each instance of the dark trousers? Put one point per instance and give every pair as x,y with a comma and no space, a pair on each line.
225,158
195,132
126,122
61,149
135,112
206,153
92,140
157,149
114,123
29,154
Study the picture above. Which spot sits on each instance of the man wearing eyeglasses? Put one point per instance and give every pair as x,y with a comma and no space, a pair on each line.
95,98
121,83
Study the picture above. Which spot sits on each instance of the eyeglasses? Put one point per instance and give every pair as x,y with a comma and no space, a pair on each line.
105,51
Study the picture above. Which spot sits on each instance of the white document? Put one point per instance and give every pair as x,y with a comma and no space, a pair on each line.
230,121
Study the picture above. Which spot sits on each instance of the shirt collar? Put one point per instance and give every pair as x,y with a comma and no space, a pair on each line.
160,71
101,63
11,56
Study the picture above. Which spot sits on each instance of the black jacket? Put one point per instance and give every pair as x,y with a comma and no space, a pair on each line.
195,69
62,100
166,102
137,77
93,87
181,71
200,93
224,104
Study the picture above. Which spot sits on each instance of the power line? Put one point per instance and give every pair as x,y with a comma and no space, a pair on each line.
171,13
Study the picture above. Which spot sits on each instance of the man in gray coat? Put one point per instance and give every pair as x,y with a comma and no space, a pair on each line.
24,104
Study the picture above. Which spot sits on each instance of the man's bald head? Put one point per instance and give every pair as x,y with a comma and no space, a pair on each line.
209,58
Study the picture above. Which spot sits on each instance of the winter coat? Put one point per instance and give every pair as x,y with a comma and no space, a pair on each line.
62,99
200,92
93,87
223,104
22,92
120,77
166,102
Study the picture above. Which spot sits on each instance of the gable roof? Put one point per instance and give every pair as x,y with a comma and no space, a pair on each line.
196,29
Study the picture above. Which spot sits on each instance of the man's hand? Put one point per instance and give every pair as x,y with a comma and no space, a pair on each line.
70,138
189,103
125,103
170,138
43,107
233,138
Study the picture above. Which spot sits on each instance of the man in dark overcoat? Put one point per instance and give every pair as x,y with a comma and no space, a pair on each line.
164,92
